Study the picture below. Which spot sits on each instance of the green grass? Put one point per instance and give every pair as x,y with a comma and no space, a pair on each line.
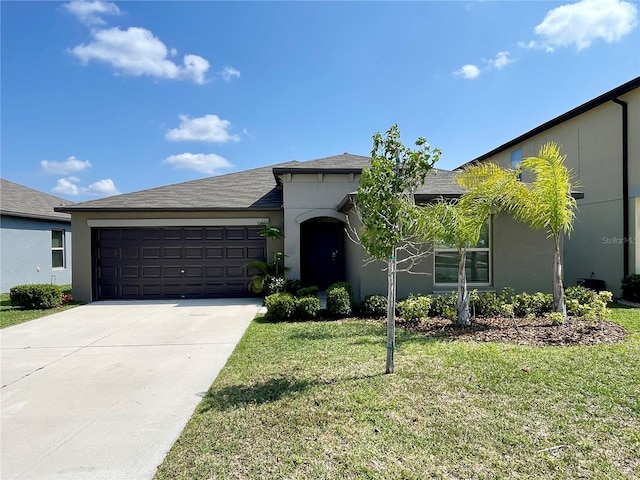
13,316
309,401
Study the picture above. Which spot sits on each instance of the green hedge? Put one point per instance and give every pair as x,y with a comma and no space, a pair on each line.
374,306
339,302
36,296
280,306
414,308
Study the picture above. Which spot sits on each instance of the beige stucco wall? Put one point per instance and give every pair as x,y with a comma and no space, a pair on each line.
82,267
521,259
592,142
307,196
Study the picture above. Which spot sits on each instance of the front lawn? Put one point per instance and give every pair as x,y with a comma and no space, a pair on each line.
309,401
13,316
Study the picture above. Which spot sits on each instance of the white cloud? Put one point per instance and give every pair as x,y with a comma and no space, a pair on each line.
89,12
468,71
209,128
579,24
229,72
103,188
70,186
501,60
136,51
200,162
67,186
70,165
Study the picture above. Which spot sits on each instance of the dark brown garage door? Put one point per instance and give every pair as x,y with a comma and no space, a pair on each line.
157,263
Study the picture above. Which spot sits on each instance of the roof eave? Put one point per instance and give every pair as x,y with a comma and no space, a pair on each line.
34,216
174,209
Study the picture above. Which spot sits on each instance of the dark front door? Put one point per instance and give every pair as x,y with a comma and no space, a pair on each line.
322,252
174,262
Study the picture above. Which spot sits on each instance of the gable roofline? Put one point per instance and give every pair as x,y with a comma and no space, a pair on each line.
579,110
20,201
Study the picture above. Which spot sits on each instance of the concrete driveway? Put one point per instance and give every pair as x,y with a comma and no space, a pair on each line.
103,390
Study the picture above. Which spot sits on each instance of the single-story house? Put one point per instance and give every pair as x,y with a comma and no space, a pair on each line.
194,239
35,240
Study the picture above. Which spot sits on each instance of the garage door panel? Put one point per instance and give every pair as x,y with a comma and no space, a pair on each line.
255,253
130,290
235,272
149,234
236,252
151,271
151,253
188,262
214,252
130,272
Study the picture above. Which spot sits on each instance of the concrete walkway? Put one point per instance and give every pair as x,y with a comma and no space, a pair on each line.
103,390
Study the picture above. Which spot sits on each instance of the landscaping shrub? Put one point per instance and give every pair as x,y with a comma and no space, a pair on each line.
307,308
307,292
338,302
590,305
528,305
444,306
583,295
280,306
345,285
291,285
631,288
36,296
414,308
374,306
485,304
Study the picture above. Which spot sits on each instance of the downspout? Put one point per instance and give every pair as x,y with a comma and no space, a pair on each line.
625,184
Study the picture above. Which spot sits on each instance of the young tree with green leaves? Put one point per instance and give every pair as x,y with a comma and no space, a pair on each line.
386,208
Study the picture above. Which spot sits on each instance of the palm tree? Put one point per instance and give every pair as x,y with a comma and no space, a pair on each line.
449,223
460,223
547,203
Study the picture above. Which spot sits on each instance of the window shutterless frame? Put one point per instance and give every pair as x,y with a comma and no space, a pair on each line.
478,265
58,249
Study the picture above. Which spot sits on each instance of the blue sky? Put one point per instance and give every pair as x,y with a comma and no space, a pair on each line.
99,98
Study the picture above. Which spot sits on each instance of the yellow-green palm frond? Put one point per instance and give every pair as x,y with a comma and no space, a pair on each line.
549,204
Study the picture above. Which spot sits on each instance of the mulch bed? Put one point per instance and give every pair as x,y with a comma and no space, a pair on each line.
524,331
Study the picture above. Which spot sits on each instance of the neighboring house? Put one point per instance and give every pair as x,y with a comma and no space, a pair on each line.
195,239
601,139
35,240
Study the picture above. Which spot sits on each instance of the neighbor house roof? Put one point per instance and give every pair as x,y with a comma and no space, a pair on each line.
585,107
20,201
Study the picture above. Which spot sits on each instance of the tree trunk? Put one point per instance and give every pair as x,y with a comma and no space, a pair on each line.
463,293
391,312
558,289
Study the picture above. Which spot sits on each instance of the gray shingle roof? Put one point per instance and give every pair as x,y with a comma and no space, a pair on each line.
335,163
254,189
247,190
20,201
439,183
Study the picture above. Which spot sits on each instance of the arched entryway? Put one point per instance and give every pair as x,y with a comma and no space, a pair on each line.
322,252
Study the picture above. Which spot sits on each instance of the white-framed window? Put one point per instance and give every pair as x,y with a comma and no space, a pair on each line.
478,264
57,249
